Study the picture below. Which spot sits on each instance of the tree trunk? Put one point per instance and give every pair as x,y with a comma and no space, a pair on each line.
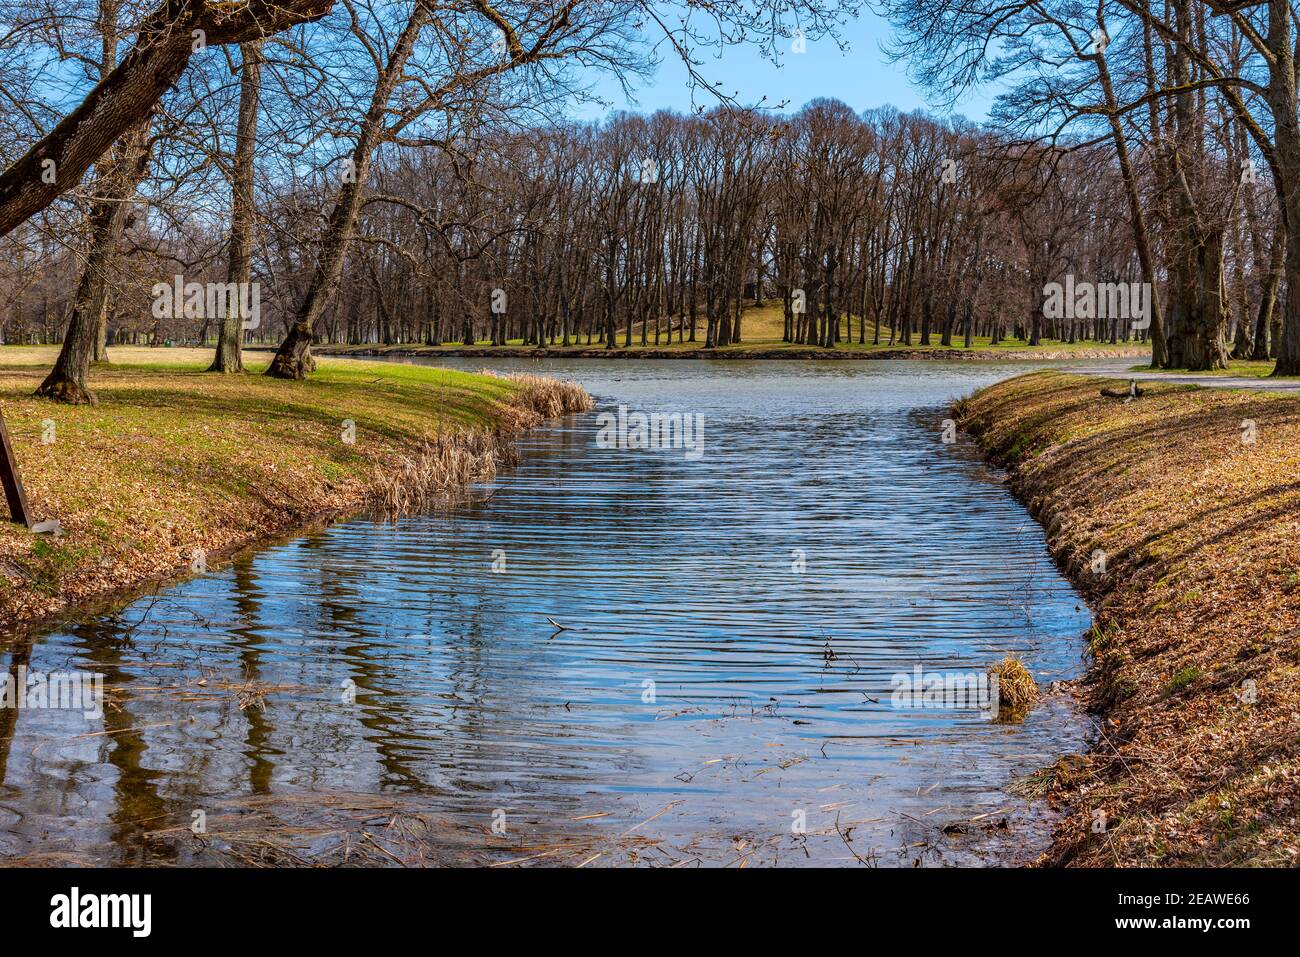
294,360
101,335
229,357
1268,299
1159,353
1282,103
1203,347
108,217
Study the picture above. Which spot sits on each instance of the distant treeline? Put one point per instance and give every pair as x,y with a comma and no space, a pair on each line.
401,172
884,227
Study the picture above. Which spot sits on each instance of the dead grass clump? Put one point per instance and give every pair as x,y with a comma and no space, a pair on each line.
441,469
1017,691
547,398
1067,772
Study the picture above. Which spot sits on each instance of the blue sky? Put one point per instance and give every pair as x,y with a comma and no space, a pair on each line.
861,76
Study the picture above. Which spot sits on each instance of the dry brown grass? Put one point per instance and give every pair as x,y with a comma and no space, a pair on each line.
541,397
1186,540
440,470
1017,690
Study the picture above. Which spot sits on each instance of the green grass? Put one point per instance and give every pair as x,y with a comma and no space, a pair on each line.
1182,679
174,458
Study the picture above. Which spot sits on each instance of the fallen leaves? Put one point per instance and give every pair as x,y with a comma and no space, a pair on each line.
1199,751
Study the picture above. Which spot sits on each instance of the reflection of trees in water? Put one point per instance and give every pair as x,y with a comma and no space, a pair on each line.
379,704
20,655
438,716
390,706
247,636
137,804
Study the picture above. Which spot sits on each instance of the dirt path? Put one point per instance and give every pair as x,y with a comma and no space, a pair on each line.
1121,369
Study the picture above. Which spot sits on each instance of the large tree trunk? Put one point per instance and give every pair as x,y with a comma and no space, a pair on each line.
1268,299
1204,349
229,357
1196,303
293,360
1282,104
1197,311
1159,354
101,334
108,216
109,39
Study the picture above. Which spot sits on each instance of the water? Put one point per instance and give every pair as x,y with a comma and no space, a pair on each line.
721,693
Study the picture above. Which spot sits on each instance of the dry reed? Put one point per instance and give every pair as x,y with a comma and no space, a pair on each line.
444,467
1017,691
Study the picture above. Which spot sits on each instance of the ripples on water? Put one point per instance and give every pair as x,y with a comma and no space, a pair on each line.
771,688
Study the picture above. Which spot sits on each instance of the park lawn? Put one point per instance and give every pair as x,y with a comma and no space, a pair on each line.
1191,498
174,460
765,325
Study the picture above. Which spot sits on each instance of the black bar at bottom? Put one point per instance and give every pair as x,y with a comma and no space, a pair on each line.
330,908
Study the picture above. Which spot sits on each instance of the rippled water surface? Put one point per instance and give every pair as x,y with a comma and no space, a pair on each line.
733,625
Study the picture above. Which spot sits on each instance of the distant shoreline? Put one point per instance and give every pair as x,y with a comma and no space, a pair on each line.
730,353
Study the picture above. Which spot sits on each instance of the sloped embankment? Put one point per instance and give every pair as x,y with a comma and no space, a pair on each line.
1178,515
176,467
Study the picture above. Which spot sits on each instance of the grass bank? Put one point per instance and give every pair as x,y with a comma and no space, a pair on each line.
1237,368
1178,514
176,463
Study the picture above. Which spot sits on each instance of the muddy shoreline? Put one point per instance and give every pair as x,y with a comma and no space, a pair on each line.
1036,789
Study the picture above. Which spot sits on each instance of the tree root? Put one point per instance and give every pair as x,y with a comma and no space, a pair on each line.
65,390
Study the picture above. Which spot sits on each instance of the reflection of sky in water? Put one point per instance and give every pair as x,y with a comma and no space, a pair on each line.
663,570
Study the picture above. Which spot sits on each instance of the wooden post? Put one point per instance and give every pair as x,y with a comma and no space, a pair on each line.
12,480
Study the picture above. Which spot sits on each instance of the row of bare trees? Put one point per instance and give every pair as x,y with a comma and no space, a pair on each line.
258,167
1195,102
394,172
878,228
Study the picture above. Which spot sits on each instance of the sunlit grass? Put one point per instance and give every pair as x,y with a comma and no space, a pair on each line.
1194,649
174,458
762,328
